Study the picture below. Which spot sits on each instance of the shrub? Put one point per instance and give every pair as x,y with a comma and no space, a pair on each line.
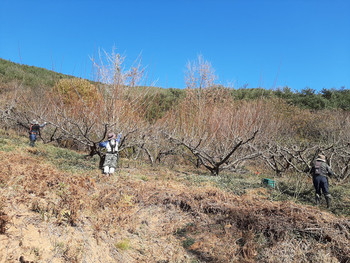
77,90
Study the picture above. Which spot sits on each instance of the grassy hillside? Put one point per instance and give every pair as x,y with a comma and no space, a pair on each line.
30,76
159,100
56,206
163,99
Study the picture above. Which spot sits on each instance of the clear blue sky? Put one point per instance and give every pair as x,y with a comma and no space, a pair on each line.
267,43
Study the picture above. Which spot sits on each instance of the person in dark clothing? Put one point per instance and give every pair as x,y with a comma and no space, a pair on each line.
34,130
320,171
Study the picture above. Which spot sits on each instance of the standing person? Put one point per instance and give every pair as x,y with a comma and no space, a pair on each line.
320,171
111,145
34,130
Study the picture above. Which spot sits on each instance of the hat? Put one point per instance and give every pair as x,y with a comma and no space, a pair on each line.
111,135
321,157
35,122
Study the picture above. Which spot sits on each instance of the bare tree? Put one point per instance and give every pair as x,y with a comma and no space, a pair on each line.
83,112
155,145
115,105
210,124
288,152
200,74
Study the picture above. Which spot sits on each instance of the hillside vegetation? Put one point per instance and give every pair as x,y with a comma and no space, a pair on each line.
163,99
30,76
188,187
56,206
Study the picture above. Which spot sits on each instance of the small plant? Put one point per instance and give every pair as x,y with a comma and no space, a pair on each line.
69,252
58,246
4,145
123,245
126,201
36,252
183,233
63,190
144,178
72,254
188,242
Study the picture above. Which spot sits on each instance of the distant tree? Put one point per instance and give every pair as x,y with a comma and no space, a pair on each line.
161,101
199,74
341,99
327,94
308,99
307,92
285,93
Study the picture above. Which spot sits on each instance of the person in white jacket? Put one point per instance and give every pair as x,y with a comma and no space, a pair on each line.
111,145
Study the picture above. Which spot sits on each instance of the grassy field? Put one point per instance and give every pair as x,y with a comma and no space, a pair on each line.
56,206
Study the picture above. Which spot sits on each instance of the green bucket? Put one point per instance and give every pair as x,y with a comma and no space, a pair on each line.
269,182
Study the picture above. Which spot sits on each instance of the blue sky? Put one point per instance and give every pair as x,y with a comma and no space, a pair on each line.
267,43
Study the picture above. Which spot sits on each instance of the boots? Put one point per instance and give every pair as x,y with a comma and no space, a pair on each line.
317,199
328,200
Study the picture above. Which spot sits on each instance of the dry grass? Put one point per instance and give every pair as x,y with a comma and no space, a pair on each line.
4,219
151,215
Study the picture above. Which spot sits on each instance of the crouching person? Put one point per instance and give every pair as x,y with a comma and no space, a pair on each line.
111,145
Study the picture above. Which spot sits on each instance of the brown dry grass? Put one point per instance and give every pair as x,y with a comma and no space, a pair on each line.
151,215
4,219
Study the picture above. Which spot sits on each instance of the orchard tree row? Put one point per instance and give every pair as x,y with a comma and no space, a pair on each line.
206,125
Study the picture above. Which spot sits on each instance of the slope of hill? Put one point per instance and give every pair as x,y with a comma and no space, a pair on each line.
162,99
56,206
30,75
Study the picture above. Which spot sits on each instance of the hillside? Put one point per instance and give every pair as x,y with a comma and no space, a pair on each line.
56,206
162,99
30,75
14,75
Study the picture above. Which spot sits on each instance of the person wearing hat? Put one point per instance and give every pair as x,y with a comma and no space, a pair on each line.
34,130
111,145
320,171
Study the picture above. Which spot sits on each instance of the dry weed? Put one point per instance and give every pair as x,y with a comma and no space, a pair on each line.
163,219
4,218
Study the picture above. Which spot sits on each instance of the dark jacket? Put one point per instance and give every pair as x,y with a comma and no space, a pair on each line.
320,167
35,128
